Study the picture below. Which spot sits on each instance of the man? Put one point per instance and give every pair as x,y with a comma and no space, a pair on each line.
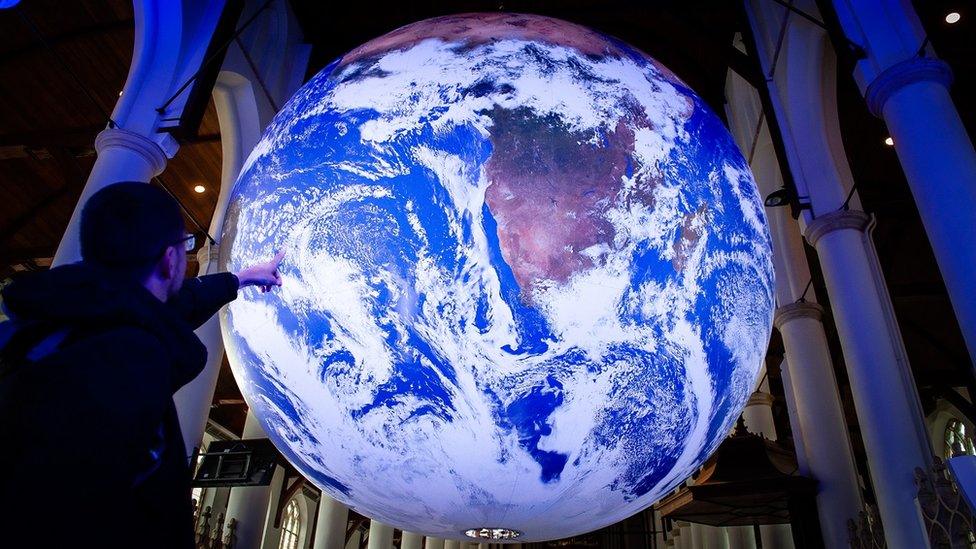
91,453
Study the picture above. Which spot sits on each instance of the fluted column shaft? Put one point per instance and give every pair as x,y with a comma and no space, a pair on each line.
330,527
940,165
122,156
380,535
911,93
249,504
714,537
776,536
884,391
758,415
193,400
741,537
410,540
811,383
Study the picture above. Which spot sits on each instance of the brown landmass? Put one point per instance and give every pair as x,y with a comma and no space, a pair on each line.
549,191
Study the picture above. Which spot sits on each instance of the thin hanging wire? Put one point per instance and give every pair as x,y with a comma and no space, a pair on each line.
64,66
213,56
186,212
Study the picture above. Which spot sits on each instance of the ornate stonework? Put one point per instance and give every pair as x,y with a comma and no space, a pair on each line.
899,75
835,221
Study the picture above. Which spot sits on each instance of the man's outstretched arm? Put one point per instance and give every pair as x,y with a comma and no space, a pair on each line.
201,297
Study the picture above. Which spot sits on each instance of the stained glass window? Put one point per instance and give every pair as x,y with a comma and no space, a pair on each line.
955,434
291,526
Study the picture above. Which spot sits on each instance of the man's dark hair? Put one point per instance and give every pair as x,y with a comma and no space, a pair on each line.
126,227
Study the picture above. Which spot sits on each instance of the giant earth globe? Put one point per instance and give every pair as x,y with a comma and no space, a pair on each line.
527,284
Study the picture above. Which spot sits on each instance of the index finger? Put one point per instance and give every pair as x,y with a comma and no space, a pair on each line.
278,257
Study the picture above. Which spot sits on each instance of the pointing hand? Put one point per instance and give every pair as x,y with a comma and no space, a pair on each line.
265,275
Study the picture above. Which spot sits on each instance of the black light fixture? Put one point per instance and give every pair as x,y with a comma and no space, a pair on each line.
775,199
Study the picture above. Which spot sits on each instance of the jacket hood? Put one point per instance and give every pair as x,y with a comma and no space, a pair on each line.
87,296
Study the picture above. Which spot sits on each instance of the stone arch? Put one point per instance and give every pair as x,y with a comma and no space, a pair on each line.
170,41
252,86
807,73
240,129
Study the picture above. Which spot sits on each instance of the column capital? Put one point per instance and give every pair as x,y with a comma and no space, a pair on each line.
802,309
759,398
208,254
899,75
147,148
835,221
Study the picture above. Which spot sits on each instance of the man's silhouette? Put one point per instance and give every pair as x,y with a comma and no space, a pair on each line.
91,453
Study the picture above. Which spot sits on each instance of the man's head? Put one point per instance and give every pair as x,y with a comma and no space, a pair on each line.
136,231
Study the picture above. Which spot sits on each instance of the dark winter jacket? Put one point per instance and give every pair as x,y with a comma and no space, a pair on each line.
91,453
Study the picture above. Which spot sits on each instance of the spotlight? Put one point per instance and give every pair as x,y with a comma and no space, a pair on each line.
199,189
953,17
889,141
4,4
778,198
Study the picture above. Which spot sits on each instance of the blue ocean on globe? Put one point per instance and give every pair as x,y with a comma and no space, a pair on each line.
527,282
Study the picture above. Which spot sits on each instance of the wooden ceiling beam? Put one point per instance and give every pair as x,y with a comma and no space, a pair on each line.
73,179
68,36
74,138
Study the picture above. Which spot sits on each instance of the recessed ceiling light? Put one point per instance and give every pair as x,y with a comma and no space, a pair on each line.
953,17
888,141
199,188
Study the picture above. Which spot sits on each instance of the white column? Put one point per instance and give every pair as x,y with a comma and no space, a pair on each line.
355,540
194,399
809,376
380,535
330,527
242,116
715,538
659,533
910,92
697,535
249,504
741,537
170,42
409,540
452,544
122,156
803,96
676,537
776,536
758,415
434,543
240,129
272,534
884,392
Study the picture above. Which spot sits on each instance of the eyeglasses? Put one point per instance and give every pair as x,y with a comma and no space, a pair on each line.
189,242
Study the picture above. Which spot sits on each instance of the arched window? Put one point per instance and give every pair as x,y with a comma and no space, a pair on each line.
196,495
291,526
955,434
